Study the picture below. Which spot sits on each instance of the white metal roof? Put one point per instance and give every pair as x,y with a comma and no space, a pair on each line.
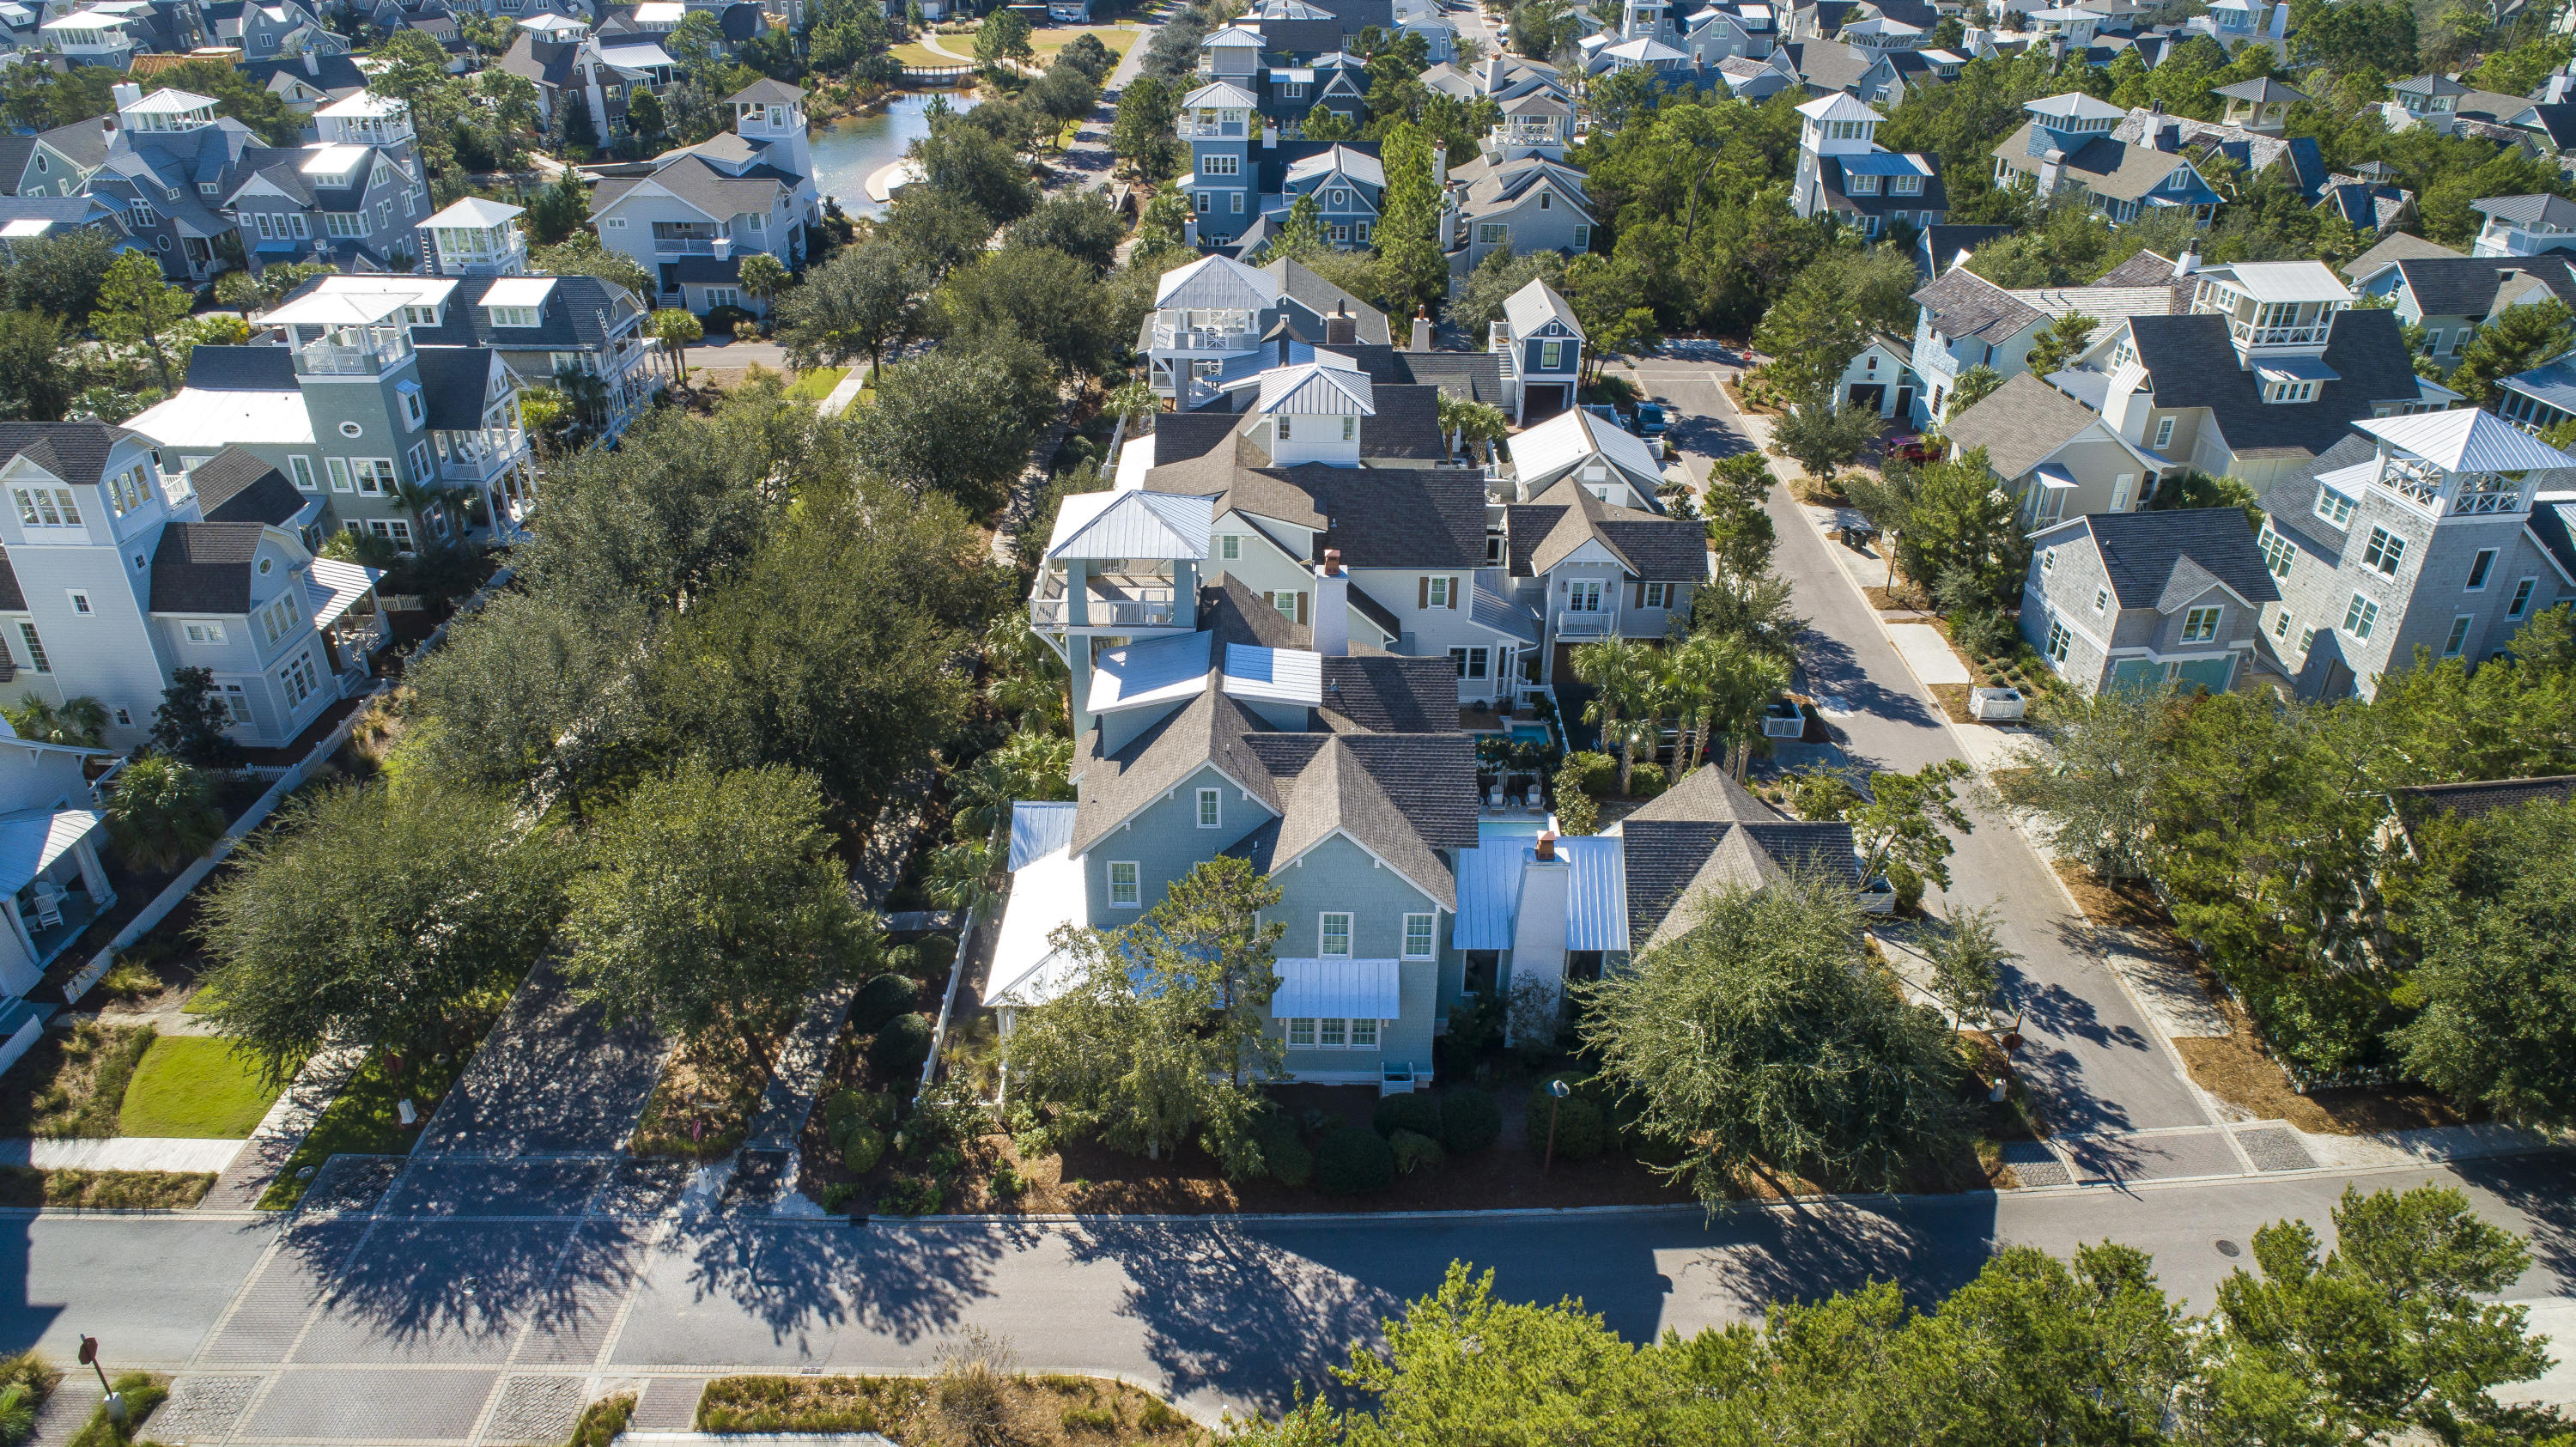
1316,387
1274,675
1046,893
1533,306
202,417
660,12
1839,107
477,214
406,290
2075,105
1120,525
335,308
1217,283
331,160
365,104
1358,165
1153,672
527,291
31,840
166,102
2464,440
1235,35
1568,437
2281,280
336,586
1338,989
26,226
1489,892
1223,95
1039,829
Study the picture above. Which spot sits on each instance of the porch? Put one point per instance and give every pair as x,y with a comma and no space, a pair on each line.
50,871
1127,599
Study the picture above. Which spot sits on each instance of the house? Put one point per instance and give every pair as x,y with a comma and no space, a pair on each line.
2445,106
26,219
269,31
2054,453
2541,400
2395,246
1881,378
1939,248
1963,321
1216,309
570,65
358,415
1592,570
2268,370
2443,532
2146,598
2260,105
51,830
308,81
2451,297
2524,225
1239,180
696,211
1844,172
1541,346
2367,205
1522,205
2068,147
1605,460
114,578
57,162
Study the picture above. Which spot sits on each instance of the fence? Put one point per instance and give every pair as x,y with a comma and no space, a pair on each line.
941,75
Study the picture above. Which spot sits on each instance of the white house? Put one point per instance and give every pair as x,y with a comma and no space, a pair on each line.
691,219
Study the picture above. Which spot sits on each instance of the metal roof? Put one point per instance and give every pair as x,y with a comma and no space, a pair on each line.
1489,892
335,587
1568,437
519,291
1274,675
1840,106
2073,105
1038,830
1315,388
1217,283
2281,280
31,840
1155,671
1136,524
476,213
2467,440
1534,306
1222,95
1338,989
1491,610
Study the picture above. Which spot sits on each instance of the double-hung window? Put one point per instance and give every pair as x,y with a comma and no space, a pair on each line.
1551,356
35,649
1435,592
375,474
2521,597
2335,507
1333,935
2057,641
1492,233
48,507
2200,625
2383,551
2164,433
2459,638
2360,616
1220,165
1419,936
2276,551
1655,595
2478,570
1211,809
1126,889
1471,662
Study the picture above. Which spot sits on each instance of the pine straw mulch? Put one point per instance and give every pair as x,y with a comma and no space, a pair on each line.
1026,1411
2235,1067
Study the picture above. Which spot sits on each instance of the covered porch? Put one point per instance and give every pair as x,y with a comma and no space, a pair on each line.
55,885
347,615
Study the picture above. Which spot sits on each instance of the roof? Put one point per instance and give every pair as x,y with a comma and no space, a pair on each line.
2020,424
1132,524
1389,694
2467,439
2164,559
476,213
765,92
2262,90
1489,891
72,451
1944,245
33,840
1534,306
2557,213
2281,280
1574,434
1553,526
454,381
2075,105
2194,364
205,567
1322,298
2396,246
237,486
1708,832
1039,829
1966,305
2469,800
1338,989
2479,286
578,315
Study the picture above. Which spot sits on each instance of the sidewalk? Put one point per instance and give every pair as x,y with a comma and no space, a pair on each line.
122,1153
250,1170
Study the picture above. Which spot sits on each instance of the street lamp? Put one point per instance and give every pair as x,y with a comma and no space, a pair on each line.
1557,1091
115,1399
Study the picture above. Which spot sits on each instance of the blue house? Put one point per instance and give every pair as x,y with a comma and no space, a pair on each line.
1542,349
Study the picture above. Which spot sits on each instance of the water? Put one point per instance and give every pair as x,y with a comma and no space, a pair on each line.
849,151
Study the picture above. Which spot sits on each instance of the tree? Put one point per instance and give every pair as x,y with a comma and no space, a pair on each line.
1001,40
60,275
1811,334
1034,292
1081,224
643,112
533,688
2097,778
1462,1367
1764,1037
2380,1339
864,301
1974,386
581,254
676,327
964,159
763,275
1413,267
934,231
2519,340
2192,488
1160,1038
80,721
1087,55
190,723
1501,276
136,308
1623,676
714,908
1720,688
163,813
1469,422
1323,123
36,385
938,426
560,209
1962,535
2060,343
1967,965
1064,93
1824,438
1142,134
455,903
1902,821
2499,933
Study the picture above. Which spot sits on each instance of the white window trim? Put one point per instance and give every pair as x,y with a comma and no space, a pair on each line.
1211,808
1431,936
1322,935
1135,884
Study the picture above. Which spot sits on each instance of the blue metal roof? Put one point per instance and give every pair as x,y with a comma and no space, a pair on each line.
1038,830
1489,893
2554,384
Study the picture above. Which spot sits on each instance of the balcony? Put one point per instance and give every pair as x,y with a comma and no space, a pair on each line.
486,456
1205,339
2250,334
718,246
1194,129
1113,600
1586,623
2482,493
351,358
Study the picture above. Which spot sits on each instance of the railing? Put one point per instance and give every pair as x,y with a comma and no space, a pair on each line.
1585,623
2250,335
1205,339
320,359
2417,481
1193,130
2503,497
1104,613
690,246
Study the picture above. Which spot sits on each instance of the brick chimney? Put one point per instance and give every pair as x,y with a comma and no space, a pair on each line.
1546,845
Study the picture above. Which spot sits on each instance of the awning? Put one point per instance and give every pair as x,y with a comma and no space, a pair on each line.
335,588
1490,610
1337,990
1038,829
32,840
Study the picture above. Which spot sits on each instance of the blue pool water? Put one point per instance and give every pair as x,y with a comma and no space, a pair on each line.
1529,730
1504,831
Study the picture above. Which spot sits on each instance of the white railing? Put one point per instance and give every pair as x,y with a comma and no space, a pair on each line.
1205,339
1197,130
2486,494
1104,613
2415,480
320,359
2311,335
689,246
1585,623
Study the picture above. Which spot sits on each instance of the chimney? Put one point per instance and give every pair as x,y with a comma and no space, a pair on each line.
1539,920
127,93
1332,627
1269,134
1341,329
312,62
1421,341
2189,263
1546,846
2050,167
1493,72
1440,168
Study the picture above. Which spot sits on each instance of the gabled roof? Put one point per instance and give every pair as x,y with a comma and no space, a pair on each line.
1131,524
1965,305
2467,439
205,567
1708,833
1574,434
2262,90
1651,547
2396,246
2556,212
1534,306
237,486
72,451
2478,286
2194,364
2163,560
2020,424
1319,386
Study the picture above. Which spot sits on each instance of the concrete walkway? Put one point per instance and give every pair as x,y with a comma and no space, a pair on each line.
122,1153
279,1132
844,394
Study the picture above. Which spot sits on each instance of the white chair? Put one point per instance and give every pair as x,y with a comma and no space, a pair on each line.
1495,800
1534,796
49,904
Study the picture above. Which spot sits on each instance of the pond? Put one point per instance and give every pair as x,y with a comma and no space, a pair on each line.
849,151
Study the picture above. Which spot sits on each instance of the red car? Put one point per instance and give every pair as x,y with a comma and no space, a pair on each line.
1913,449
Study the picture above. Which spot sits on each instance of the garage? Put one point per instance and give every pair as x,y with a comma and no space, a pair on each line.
1541,401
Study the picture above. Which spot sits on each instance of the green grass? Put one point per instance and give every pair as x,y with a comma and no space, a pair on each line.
201,1001
142,1392
817,383
362,1119
921,57
192,1085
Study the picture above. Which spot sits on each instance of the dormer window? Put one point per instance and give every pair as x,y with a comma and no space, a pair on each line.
514,316
2290,392
2333,506
1862,185
207,188
1908,186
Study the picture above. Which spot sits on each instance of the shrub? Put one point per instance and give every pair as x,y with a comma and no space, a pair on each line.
722,320
1007,1183
911,1196
129,981
861,1151
1417,1111
1587,773
932,955
1354,1162
603,1421
1646,781
1576,813
1413,1151
1470,1121
836,1196
880,1000
1907,884
1582,1131
1157,1416
1282,1154
1089,1419
901,1046
1983,632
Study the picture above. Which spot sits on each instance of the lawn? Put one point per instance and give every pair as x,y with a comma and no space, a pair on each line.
194,1085
921,57
817,383
363,1119
1050,40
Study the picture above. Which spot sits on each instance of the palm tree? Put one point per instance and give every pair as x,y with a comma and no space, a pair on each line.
1743,684
1463,422
1032,766
1623,673
163,813
79,721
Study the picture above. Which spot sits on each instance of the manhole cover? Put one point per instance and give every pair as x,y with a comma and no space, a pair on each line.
2230,1248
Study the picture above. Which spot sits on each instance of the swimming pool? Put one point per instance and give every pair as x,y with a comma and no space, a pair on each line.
1529,729
1505,831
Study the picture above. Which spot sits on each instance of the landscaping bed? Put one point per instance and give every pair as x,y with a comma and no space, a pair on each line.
856,1148
997,1406
701,1108
195,1085
104,1190
365,1117
70,1084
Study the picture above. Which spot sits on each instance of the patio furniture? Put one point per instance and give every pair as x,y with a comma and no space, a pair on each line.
49,904
1496,801
1534,796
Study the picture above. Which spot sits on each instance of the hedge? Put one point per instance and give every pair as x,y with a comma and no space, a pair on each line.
1353,1162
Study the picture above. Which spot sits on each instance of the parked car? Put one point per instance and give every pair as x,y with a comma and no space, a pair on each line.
1649,420
1913,449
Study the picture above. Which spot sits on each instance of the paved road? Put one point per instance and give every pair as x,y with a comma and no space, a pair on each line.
421,1326
2098,1064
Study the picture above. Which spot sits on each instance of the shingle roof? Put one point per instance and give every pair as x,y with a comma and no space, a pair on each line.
205,567
454,380
2289,505
2019,424
2194,365
1942,245
1965,305
1321,298
2144,553
1656,549
1399,517
2471,799
72,451
1707,833
2556,211
2397,246
1390,694
2469,285
237,486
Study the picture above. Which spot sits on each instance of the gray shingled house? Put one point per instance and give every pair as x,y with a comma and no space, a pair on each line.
2146,598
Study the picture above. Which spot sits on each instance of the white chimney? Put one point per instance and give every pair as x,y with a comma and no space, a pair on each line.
2188,263
1421,339
127,94
1332,628
1493,72
1440,168
1539,922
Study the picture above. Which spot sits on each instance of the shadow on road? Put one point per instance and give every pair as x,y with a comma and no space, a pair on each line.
817,1280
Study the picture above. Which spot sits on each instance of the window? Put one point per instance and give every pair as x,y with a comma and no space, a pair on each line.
295,221
2478,570
279,618
1551,356
1546,200
513,316
1907,186
1341,197
1860,185
143,214
1332,1034
2276,552
2291,392
413,413
1285,603
2101,599
1203,203
48,507
2307,640
339,473
1215,165
1471,661
1283,426
723,296
1230,547
1417,936
128,490
375,474
297,679
301,468
80,601
2383,551
344,223
1655,595
2360,616
2432,342
1333,935
1350,429
1364,233
1583,238
1234,203
2459,638
419,455
1435,594
35,649
1291,90
1301,1034
1341,235
1493,550
2047,559
1124,890
1211,808
2200,625
1492,233
393,530
2281,626
205,632
1363,1034
2164,433
2333,506
237,703
2057,640
2521,597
